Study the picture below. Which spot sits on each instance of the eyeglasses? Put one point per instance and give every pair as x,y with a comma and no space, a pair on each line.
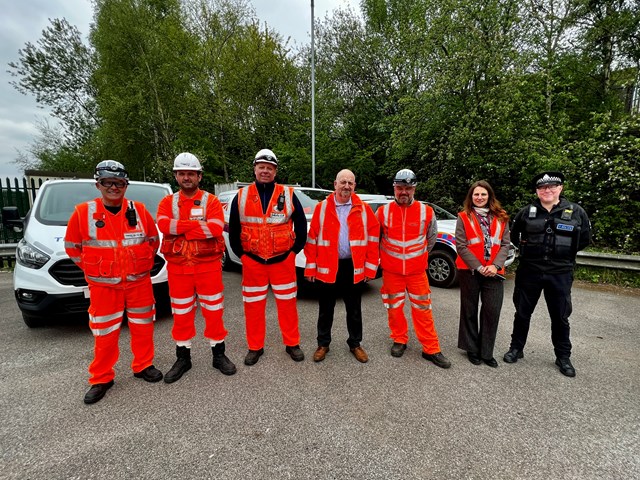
113,183
553,188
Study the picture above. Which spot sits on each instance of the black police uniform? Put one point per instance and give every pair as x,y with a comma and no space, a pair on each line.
548,243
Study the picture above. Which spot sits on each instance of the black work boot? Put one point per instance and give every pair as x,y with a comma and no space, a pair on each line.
220,360
181,366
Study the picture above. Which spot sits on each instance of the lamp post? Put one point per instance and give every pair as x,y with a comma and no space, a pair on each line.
313,102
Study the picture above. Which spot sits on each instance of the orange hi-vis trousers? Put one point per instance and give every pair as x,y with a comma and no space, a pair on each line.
256,278
106,311
205,286
394,289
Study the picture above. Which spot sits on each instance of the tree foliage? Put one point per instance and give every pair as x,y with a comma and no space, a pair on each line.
456,90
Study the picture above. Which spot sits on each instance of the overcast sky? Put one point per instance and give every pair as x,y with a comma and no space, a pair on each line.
22,21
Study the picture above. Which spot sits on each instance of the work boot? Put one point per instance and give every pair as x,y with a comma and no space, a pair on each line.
397,349
566,368
181,366
253,356
296,353
513,355
437,358
150,374
220,360
96,392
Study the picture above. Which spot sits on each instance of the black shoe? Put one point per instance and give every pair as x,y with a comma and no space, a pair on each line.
566,368
437,358
296,354
397,349
474,358
513,355
253,356
220,360
491,362
96,392
180,367
149,374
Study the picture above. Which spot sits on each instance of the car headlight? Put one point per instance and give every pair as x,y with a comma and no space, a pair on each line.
29,256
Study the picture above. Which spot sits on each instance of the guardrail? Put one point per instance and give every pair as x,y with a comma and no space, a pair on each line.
609,260
587,259
7,254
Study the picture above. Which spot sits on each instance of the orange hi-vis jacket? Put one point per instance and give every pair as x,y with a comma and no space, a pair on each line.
192,228
405,234
107,248
321,249
475,240
266,234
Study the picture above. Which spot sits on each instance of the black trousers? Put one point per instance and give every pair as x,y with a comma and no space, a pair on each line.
473,336
351,295
557,294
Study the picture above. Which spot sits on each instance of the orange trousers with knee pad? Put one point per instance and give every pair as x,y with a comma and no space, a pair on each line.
202,283
256,278
106,311
395,288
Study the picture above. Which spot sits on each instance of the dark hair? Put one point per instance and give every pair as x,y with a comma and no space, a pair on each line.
493,204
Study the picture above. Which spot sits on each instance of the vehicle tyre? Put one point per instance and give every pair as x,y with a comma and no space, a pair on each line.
226,262
441,270
33,321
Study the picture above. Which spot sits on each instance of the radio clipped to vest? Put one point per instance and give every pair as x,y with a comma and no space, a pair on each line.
131,216
280,205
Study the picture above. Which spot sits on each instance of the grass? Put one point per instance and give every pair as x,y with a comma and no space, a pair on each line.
607,276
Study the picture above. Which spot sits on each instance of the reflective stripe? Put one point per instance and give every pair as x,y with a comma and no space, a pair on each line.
72,245
146,309
110,281
370,266
100,243
216,306
183,311
373,239
252,220
92,229
173,227
141,321
311,241
99,332
134,241
407,256
183,301
175,207
254,299
106,318
474,240
358,271
392,296
76,259
324,243
255,289
358,243
133,278
284,286
311,265
217,222
323,270
211,298
287,296
421,306
420,297
396,304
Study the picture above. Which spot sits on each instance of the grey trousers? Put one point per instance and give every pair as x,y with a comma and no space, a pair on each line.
477,334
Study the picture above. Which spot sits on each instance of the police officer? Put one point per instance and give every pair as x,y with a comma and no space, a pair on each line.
549,233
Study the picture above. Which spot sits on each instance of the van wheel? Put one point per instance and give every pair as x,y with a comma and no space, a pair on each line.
441,270
33,321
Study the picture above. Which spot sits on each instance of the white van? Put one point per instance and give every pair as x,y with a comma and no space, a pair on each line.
47,283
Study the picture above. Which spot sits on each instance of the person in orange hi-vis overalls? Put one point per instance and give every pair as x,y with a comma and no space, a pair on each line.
408,232
114,241
267,228
191,221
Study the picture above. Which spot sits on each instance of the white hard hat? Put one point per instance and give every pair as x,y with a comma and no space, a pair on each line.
266,156
405,177
110,169
187,161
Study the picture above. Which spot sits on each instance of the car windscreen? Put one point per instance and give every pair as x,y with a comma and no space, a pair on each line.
441,213
308,203
317,195
59,199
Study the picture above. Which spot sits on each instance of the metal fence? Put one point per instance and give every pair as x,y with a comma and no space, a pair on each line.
17,193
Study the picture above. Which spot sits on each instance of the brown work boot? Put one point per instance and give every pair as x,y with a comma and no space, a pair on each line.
321,352
360,354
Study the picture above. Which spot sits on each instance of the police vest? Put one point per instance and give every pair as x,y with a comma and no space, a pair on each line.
555,235
269,234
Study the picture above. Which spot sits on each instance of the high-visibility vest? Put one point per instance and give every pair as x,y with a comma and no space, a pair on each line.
176,247
321,249
266,234
475,239
405,237
106,247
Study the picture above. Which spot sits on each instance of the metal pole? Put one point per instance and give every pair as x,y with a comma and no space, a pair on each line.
313,102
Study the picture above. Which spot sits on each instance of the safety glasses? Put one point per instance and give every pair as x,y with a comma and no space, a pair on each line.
113,183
